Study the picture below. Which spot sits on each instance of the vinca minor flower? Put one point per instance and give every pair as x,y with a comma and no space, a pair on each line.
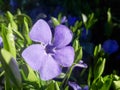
51,53
110,46
75,86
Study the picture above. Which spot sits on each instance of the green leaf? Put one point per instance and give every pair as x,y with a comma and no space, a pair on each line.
91,20
59,17
97,50
55,21
109,17
8,39
11,21
11,68
99,68
116,85
107,84
76,44
18,34
9,16
102,83
53,86
28,74
56,86
78,55
26,32
20,18
84,18
96,85
13,24
89,75
67,88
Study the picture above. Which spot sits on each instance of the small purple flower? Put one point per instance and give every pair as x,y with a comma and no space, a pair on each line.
51,53
64,19
74,86
77,87
81,64
110,46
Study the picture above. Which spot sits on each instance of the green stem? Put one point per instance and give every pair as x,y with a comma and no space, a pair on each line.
65,80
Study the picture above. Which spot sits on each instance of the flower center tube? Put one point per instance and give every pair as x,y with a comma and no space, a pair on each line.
50,49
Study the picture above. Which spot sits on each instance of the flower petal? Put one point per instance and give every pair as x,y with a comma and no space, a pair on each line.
62,36
81,64
50,69
34,56
74,86
41,32
64,56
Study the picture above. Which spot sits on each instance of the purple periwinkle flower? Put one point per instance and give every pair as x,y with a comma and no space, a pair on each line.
81,64
75,86
110,46
51,53
64,19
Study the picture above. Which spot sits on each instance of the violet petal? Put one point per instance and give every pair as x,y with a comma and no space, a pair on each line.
50,69
41,32
62,36
81,64
74,86
64,56
34,56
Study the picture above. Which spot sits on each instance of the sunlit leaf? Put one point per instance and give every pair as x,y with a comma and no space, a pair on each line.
78,55
55,21
116,85
99,68
76,44
53,86
26,32
8,39
11,68
28,74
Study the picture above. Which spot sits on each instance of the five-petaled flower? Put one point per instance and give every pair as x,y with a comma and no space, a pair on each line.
51,53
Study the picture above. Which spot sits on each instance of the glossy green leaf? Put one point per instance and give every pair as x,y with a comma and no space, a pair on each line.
20,18
8,39
99,68
59,17
11,68
57,86
26,31
107,84
84,17
97,50
109,17
55,21
13,24
90,21
76,44
28,74
97,84
78,55
116,85
11,21
53,86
